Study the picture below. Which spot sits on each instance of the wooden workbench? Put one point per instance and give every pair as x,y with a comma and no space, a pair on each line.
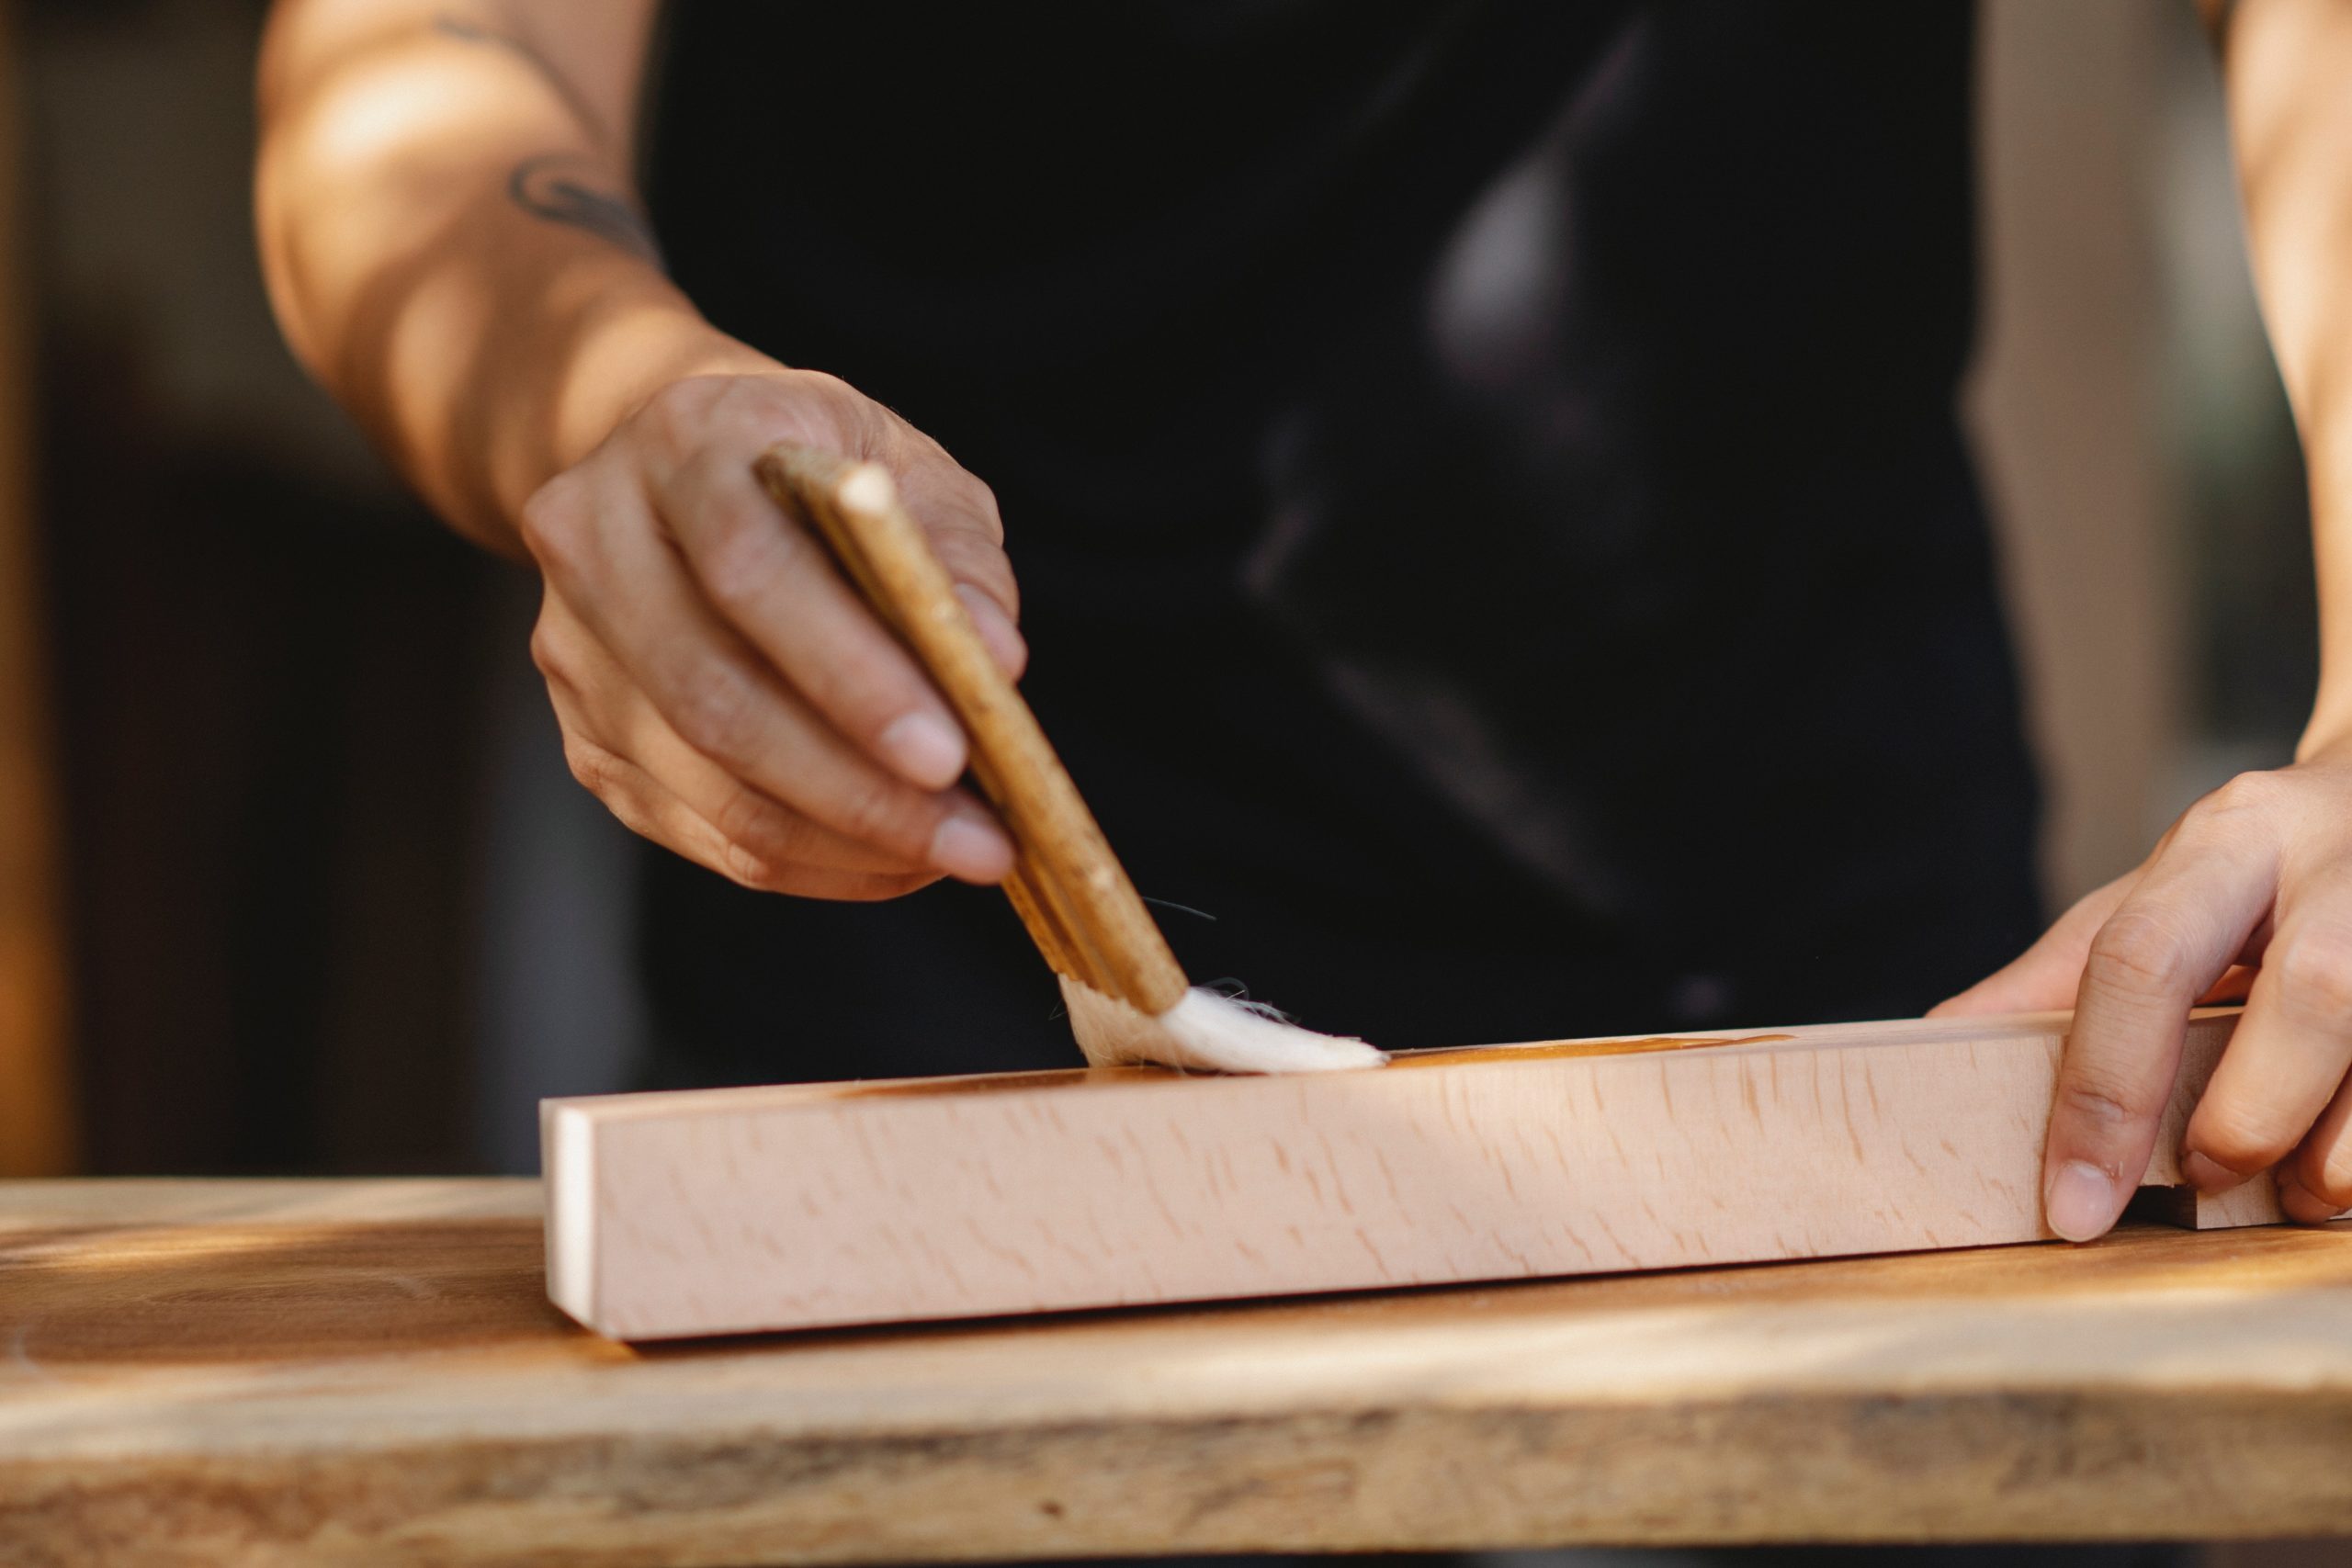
330,1373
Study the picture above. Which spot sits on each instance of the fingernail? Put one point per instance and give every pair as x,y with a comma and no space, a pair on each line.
2080,1204
971,848
925,747
2208,1175
996,628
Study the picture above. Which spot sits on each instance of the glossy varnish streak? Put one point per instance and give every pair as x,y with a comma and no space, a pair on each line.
1570,1050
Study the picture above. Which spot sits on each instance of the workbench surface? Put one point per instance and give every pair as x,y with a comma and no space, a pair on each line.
271,1373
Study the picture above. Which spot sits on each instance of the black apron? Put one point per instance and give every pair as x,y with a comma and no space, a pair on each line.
1496,546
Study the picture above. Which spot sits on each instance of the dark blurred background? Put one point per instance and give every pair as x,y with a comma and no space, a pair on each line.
308,832
293,878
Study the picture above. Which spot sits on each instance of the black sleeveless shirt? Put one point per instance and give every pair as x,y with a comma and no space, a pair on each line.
1483,478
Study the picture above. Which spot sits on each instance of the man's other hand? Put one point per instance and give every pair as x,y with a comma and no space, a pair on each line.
2254,883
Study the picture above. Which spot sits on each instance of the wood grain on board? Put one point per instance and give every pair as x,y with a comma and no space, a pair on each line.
733,1209
267,1374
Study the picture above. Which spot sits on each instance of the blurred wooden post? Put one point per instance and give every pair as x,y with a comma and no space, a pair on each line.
37,1118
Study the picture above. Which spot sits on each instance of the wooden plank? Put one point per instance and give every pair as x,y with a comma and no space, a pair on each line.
2255,1203
813,1205
331,1373
2165,1197
36,1125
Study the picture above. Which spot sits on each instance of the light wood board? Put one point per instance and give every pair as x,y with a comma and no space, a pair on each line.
811,1205
337,1373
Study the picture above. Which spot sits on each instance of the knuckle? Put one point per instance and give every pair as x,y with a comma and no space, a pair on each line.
595,769
813,407
2247,796
2313,971
758,409
548,523
2105,1105
748,556
2253,791
745,868
979,499
823,386
715,713
673,416
859,696
2138,952
757,824
548,654
881,812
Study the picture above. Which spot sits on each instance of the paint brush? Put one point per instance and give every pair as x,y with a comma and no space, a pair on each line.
1129,999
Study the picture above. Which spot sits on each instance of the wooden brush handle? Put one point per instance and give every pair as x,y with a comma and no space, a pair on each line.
1070,889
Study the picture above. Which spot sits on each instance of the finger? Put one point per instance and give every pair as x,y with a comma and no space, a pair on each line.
2046,976
598,706
2172,936
630,590
1004,642
959,520
941,490
959,515
647,809
775,584
2320,1170
2288,1056
2303,1207
973,559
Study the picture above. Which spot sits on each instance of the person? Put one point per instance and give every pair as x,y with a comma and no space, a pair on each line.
1475,489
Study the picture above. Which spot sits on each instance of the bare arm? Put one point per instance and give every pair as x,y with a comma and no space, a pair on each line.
2260,872
447,227
453,247
2287,64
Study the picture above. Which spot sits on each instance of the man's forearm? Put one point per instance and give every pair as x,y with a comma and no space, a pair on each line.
2285,62
453,247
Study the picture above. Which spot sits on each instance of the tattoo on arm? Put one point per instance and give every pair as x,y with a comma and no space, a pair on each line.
554,187
563,187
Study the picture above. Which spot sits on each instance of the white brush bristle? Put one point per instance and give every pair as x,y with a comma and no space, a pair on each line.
1207,1033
